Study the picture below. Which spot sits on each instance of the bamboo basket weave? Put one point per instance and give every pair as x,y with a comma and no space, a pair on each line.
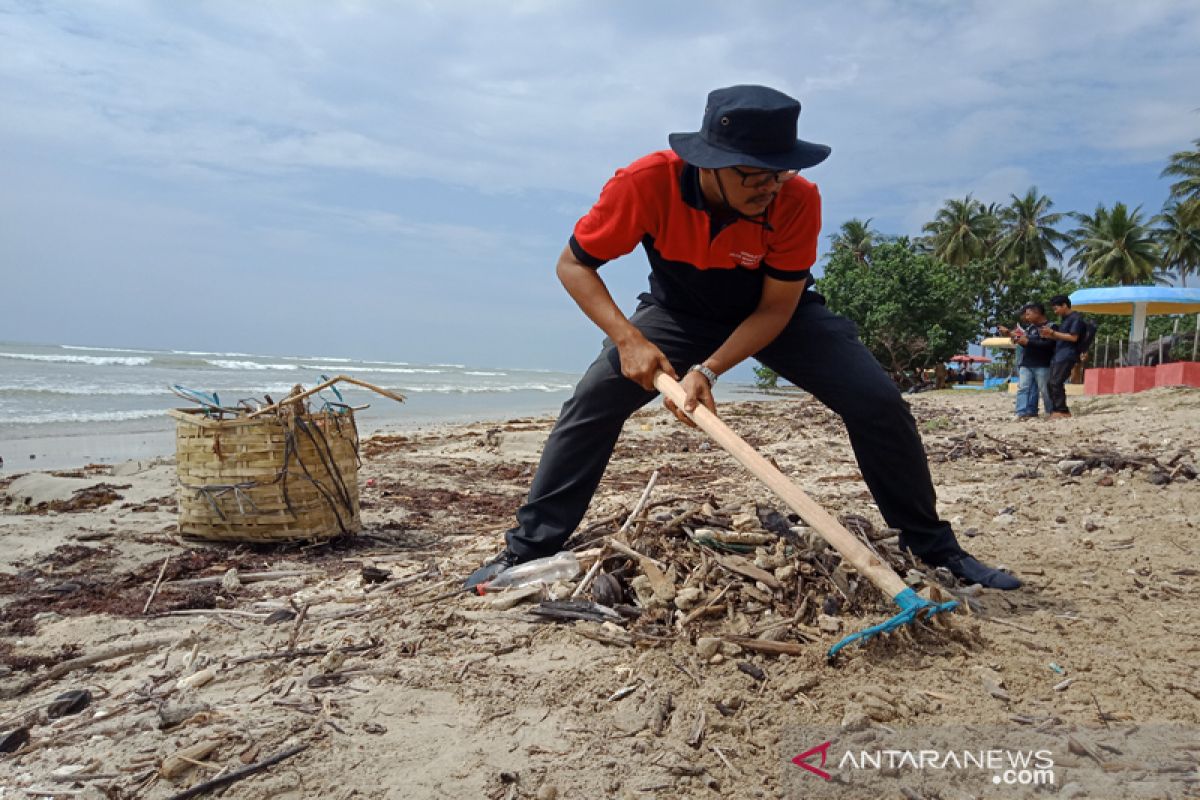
271,478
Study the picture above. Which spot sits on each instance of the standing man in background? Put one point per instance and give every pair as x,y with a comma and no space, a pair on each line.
1065,335
730,230
1034,367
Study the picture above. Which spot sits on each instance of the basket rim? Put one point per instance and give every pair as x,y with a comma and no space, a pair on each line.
194,416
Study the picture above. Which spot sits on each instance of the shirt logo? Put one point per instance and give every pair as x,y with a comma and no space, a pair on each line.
745,259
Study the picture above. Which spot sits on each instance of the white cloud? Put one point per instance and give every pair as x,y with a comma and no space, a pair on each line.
249,115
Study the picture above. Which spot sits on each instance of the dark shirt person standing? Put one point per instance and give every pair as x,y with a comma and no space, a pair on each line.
730,230
1066,335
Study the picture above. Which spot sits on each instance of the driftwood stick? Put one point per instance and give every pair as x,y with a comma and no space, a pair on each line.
312,651
637,508
326,385
679,519
768,646
604,522
625,549
696,613
397,583
158,582
66,667
202,612
238,774
249,577
590,576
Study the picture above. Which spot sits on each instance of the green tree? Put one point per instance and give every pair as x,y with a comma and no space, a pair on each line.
1115,247
857,237
1184,165
999,294
1178,235
1027,232
765,377
962,231
912,310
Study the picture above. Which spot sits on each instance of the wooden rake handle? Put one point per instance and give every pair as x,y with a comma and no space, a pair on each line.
832,531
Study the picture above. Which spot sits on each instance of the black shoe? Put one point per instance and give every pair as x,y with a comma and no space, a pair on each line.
507,558
969,570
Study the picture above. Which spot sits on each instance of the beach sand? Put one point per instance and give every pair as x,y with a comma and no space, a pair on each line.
454,698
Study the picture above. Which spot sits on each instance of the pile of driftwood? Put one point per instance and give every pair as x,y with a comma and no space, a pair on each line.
726,577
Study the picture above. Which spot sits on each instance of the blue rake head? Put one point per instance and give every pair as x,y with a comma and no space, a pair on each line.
912,608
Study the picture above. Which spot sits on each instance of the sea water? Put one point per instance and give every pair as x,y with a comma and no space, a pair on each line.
65,405
68,404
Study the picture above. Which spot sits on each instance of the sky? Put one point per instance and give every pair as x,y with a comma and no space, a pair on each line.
395,180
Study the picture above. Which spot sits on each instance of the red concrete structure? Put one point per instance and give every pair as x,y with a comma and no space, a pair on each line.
1125,380
1179,373
1133,379
1098,381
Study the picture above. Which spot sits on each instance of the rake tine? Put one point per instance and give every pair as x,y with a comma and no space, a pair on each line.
914,610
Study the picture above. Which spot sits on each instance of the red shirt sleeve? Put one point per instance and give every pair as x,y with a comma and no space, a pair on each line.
793,247
615,225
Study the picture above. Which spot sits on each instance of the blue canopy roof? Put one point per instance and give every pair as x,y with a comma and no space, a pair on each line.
1122,299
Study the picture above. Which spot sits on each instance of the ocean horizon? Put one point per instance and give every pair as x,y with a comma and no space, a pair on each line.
63,405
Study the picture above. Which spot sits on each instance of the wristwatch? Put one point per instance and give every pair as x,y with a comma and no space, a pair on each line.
708,374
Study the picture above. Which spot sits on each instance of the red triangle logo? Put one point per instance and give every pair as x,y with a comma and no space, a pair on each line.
802,760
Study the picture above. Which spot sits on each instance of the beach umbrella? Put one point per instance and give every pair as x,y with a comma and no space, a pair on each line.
1140,302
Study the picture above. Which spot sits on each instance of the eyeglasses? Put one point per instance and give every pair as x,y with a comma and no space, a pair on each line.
761,180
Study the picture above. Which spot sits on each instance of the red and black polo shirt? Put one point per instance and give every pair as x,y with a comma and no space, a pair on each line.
699,265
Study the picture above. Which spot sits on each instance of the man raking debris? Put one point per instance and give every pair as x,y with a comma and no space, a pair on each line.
730,229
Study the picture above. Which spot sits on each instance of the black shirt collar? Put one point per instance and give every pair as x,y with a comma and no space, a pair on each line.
693,195
689,187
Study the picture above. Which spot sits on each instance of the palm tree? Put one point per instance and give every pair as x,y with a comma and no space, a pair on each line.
1116,247
857,237
1028,235
961,231
992,212
1179,238
1185,165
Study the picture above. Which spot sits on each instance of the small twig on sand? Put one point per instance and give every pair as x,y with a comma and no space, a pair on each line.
238,774
303,612
158,582
1006,623
721,756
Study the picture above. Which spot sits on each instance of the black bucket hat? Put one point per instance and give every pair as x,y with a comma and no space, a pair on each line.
751,126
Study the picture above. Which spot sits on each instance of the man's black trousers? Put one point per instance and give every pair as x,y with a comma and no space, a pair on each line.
1060,373
818,351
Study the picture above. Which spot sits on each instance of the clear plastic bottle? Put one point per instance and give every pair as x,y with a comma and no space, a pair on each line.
558,567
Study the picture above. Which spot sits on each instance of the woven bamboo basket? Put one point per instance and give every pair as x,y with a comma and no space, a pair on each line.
271,478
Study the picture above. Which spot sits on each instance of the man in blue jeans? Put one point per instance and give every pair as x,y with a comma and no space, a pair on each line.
730,230
1034,369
